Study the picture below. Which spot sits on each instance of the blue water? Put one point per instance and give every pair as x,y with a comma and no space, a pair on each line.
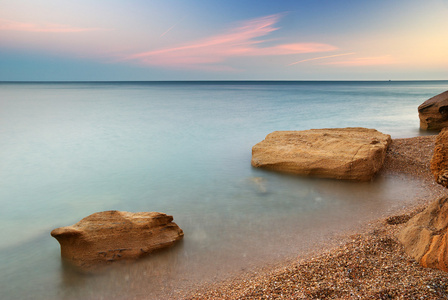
182,148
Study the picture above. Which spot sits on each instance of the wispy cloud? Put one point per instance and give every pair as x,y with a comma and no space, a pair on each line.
321,57
365,61
46,27
169,29
240,41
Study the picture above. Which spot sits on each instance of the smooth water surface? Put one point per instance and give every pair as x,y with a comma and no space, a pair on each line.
182,148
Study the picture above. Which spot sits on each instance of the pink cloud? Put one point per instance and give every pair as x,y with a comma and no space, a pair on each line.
47,27
237,42
365,61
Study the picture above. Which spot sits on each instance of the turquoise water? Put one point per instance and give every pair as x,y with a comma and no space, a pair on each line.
183,148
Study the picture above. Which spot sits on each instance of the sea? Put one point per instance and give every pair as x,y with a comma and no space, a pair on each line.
69,149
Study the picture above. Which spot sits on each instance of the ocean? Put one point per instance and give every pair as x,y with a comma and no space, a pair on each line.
69,149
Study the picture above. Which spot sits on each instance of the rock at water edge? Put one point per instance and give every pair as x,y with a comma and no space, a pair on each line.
433,113
109,236
341,153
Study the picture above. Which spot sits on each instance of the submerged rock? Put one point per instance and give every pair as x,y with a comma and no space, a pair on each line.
342,153
109,236
439,161
433,113
425,236
260,184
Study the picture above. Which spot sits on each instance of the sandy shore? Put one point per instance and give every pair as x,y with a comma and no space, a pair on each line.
371,265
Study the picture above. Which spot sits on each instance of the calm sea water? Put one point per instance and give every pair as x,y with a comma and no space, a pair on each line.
183,148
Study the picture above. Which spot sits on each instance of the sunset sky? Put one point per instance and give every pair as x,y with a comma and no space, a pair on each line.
223,40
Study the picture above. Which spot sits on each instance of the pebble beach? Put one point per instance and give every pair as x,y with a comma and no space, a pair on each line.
367,264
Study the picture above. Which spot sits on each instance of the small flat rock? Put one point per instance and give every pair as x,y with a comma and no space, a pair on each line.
109,236
341,153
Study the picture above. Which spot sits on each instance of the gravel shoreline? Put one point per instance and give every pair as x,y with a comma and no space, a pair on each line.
371,265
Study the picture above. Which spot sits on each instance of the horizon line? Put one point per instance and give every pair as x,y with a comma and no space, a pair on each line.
222,80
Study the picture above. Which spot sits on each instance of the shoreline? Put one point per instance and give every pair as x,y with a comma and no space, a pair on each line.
367,263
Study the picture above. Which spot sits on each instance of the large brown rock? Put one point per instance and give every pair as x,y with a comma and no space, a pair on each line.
439,161
425,236
109,236
342,153
433,113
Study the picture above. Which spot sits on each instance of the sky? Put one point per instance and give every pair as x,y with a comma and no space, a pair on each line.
128,40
